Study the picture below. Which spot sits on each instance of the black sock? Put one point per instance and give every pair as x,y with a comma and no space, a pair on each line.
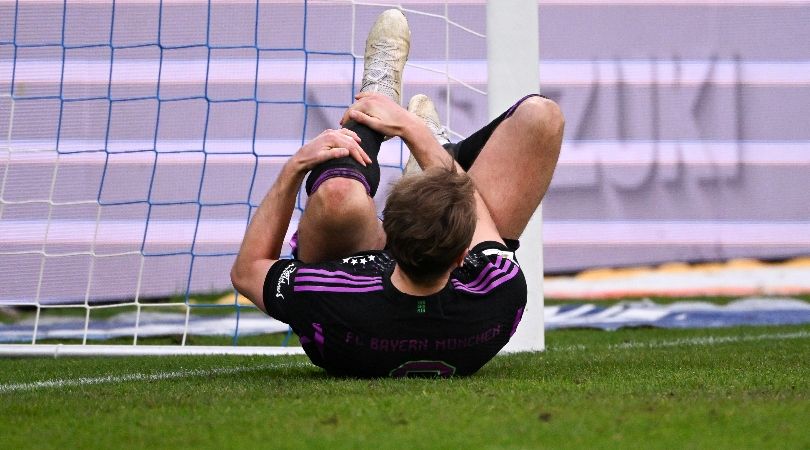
348,167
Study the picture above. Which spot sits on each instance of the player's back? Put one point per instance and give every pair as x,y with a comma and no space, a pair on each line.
352,320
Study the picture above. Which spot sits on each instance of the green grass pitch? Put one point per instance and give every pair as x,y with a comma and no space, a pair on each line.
746,387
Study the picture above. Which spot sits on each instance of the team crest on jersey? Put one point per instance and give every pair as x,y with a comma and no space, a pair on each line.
362,260
284,279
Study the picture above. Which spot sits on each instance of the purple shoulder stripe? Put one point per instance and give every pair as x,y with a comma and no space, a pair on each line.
333,280
339,289
488,268
337,273
507,266
504,265
492,285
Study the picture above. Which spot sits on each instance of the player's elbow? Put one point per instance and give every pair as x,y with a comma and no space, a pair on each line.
245,283
238,277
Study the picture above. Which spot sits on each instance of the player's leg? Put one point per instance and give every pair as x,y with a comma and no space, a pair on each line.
512,161
340,218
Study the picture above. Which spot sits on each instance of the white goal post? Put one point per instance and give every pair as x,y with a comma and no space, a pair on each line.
512,63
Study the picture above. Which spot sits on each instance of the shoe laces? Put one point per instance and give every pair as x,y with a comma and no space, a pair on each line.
437,129
380,72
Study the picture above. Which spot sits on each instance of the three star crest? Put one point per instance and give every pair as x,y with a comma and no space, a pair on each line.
354,260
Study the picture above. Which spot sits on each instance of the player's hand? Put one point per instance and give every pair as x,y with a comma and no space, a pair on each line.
328,145
379,113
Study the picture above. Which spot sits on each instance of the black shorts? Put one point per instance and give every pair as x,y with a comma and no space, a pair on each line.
466,151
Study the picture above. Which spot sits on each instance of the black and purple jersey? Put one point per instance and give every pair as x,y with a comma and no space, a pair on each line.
352,321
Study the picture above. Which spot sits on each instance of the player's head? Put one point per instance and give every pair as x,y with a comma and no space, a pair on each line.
429,221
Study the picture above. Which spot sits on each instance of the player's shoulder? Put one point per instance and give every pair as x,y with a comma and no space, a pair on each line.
488,266
371,262
489,253
359,273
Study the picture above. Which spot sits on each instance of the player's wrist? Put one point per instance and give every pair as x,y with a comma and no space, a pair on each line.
414,130
423,145
295,167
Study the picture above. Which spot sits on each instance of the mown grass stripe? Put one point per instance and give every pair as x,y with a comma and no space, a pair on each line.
700,340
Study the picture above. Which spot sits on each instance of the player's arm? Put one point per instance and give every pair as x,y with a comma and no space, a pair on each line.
264,237
383,115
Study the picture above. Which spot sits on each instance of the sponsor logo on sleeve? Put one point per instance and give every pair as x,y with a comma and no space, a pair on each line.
502,253
284,279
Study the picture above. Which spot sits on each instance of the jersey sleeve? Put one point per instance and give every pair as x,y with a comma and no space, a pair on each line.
278,288
491,250
489,268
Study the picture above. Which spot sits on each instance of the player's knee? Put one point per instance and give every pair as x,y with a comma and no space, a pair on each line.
337,188
339,199
540,114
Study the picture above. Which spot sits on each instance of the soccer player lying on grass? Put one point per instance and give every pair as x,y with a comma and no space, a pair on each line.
435,287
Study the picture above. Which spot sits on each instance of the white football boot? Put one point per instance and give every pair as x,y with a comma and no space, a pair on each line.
422,106
387,49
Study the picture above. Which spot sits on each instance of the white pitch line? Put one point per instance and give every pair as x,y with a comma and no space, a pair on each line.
702,340
111,379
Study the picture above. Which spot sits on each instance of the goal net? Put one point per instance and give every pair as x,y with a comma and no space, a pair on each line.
139,137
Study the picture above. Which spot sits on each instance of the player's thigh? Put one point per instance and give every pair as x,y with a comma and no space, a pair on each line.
339,219
516,164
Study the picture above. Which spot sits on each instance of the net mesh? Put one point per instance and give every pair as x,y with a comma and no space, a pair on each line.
141,136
